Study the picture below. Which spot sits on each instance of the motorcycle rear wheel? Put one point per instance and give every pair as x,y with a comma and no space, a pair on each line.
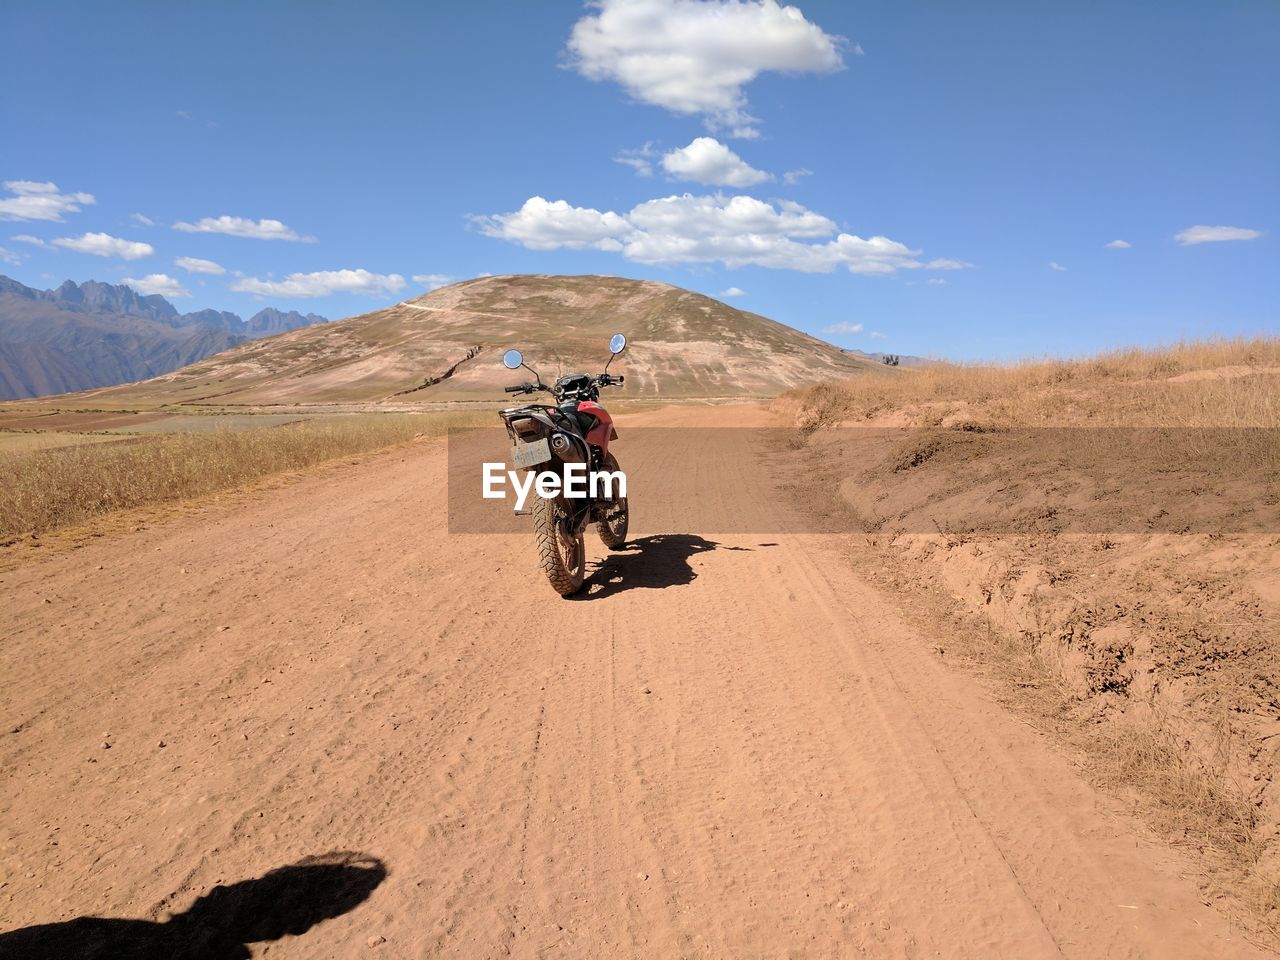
561,554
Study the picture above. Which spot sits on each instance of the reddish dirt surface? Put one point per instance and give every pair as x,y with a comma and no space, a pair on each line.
730,746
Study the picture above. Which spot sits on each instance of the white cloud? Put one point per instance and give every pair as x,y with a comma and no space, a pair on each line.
1202,234
8,256
1118,245
876,335
736,231
196,265
1054,265
936,282
639,159
143,219
741,231
157,283
433,281
945,263
707,160
549,225
243,227
323,283
105,245
791,177
693,57
40,201
843,327
27,238
733,292
707,216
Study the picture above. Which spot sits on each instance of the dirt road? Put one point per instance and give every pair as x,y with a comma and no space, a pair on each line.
732,747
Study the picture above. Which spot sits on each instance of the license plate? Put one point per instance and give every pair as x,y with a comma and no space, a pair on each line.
530,454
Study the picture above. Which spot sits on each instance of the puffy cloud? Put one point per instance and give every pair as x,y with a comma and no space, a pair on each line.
1118,245
733,292
548,225
244,227
707,160
1202,234
791,177
322,283
143,219
694,57
689,215
157,283
843,327
946,263
40,201
8,256
736,231
27,238
741,231
105,245
936,282
1054,265
196,265
433,281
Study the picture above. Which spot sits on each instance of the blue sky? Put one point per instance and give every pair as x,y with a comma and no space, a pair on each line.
324,155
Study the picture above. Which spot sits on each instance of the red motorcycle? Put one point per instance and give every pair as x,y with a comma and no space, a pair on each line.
563,443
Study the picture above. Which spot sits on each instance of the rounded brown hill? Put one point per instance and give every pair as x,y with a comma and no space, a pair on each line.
448,344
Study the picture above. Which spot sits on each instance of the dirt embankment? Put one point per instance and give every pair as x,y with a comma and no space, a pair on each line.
1123,580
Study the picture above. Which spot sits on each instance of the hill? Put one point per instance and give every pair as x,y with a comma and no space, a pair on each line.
447,345
91,334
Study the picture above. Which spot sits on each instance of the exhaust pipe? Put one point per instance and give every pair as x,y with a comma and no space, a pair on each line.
563,446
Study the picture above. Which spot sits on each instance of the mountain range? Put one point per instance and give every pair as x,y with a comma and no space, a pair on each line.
447,346
86,335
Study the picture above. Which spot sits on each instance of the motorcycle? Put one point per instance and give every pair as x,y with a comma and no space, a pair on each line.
575,431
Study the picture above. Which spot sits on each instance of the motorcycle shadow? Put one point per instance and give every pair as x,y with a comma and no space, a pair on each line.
648,563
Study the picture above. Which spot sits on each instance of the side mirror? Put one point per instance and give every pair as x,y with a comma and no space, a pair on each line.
617,344
513,359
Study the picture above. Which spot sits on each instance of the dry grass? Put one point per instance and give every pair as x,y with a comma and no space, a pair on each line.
12,442
1228,383
43,489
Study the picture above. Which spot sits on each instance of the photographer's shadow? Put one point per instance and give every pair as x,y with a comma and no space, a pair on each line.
648,563
218,926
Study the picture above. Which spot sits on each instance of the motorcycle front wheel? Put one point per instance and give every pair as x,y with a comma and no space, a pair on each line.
612,527
561,553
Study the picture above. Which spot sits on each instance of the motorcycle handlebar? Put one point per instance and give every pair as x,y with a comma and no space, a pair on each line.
518,388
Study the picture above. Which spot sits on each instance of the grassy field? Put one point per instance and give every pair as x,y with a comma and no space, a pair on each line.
27,442
52,480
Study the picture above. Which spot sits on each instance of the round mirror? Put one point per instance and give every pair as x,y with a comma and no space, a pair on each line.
512,359
617,344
